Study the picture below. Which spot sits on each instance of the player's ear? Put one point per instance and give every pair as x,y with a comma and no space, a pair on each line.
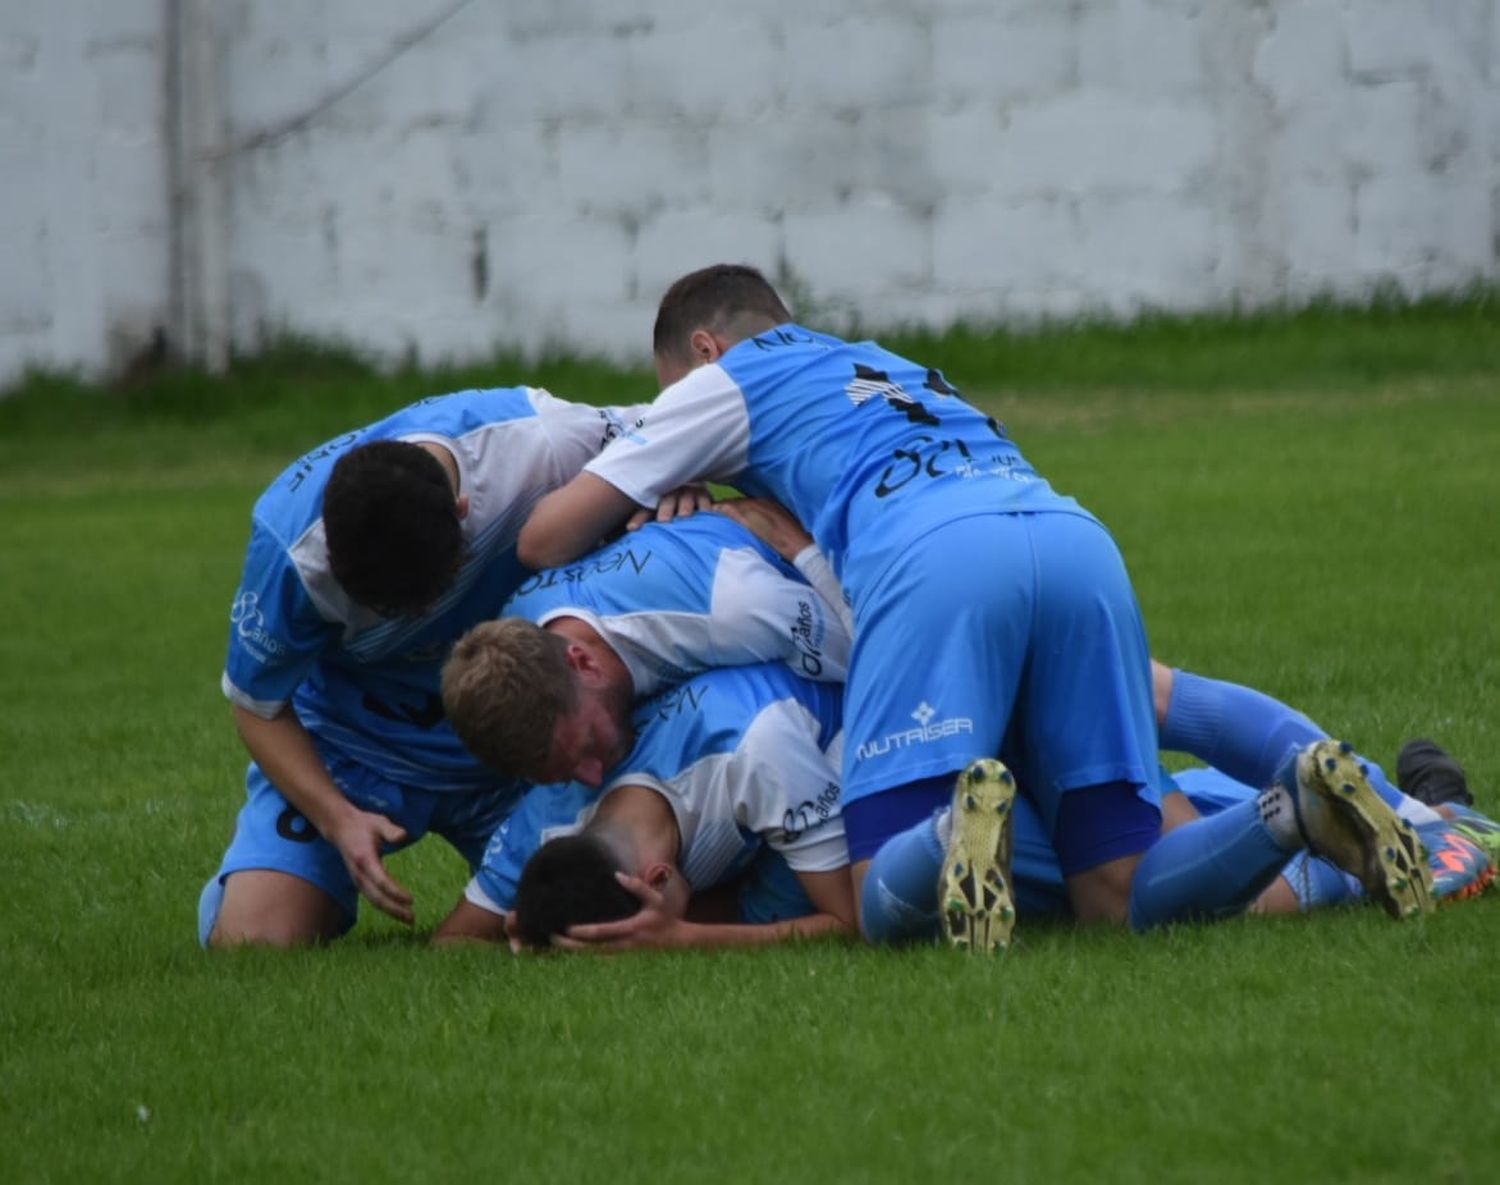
461,507
658,875
704,347
584,663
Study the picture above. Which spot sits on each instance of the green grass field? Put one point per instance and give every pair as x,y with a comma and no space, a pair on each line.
1309,504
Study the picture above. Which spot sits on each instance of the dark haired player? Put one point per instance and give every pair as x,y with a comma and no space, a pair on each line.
992,615
368,557
730,765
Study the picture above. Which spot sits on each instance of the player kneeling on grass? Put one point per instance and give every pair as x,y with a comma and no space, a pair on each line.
734,765
368,558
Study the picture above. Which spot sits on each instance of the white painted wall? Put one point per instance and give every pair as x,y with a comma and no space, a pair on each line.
84,245
535,172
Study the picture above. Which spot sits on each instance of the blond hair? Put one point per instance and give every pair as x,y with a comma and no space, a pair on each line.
505,684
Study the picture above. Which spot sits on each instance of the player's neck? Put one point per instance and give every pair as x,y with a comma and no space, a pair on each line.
447,460
639,819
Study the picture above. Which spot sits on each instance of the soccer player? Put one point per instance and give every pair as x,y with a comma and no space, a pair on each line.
733,763
989,610
576,646
368,557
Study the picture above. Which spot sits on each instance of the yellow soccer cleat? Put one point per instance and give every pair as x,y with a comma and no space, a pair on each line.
979,911
1346,822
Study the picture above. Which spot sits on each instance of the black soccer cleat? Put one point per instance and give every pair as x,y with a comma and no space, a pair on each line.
1428,772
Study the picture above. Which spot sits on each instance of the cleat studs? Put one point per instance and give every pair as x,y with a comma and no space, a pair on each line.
1347,787
1007,779
970,802
1345,748
1330,765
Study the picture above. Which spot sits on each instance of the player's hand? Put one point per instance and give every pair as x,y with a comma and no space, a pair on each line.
655,925
359,836
770,522
683,502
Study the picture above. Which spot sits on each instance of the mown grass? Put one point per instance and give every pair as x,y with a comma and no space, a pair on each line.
1326,530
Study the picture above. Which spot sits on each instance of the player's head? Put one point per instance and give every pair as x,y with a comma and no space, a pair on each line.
709,310
571,881
535,704
393,522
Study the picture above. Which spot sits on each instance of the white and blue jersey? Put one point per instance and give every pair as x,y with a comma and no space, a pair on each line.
673,599
368,685
747,758
867,449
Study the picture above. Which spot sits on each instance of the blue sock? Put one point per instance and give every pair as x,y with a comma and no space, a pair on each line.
1213,867
1318,883
899,900
1243,732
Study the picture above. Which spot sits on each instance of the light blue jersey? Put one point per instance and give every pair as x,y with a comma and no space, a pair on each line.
673,599
747,757
367,685
866,448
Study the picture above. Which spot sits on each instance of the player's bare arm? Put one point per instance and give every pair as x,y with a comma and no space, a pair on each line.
571,520
469,924
658,925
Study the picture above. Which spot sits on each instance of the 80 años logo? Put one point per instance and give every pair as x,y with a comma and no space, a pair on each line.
250,624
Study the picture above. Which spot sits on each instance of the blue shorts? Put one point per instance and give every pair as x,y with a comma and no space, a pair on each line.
272,835
1011,635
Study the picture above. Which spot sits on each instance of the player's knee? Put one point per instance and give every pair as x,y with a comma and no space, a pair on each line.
262,908
1102,894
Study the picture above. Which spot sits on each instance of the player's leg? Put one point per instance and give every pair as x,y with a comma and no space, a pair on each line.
260,907
1083,736
940,641
1246,733
280,883
1320,800
904,889
1461,868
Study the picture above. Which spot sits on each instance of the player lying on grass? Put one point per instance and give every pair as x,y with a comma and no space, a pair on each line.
987,607
572,707
582,868
368,557
733,763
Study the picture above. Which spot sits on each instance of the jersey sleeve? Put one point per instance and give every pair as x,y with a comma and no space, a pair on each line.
698,429
275,632
759,613
580,431
789,790
818,572
544,812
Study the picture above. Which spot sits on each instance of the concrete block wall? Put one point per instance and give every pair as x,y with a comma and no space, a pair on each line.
534,173
84,206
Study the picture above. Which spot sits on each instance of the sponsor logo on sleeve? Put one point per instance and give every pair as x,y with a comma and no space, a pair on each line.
250,626
811,812
809,657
